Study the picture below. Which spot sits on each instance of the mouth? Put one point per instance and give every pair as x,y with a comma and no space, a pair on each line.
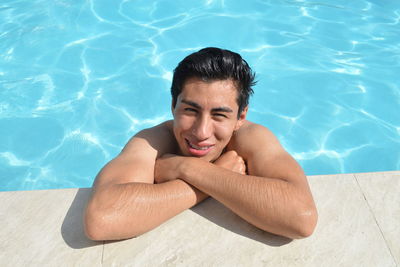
197,150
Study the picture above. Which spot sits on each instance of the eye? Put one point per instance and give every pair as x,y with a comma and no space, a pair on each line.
190,109
221,115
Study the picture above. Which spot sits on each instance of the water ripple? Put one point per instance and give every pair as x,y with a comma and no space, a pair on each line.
78,79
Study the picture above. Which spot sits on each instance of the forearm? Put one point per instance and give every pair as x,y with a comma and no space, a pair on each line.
273,205
123,211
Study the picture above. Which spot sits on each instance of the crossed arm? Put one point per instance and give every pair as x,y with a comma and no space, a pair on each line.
273,196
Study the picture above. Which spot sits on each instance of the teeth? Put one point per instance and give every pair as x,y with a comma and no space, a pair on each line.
198,147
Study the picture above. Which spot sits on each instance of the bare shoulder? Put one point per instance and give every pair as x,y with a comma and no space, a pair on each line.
158,140
264,154
136,161
251,137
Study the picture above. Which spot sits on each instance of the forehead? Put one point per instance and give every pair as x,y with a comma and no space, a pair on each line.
213,92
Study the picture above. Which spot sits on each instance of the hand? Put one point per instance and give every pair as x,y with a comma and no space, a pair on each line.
232,161
167,168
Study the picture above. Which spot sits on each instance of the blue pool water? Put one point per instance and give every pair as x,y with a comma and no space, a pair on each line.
79,78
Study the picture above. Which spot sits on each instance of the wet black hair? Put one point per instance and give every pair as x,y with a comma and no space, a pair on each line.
213,63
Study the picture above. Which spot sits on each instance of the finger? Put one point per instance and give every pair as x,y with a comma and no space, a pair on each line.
242,170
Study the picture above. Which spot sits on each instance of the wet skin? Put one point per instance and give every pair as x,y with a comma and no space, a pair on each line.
249,171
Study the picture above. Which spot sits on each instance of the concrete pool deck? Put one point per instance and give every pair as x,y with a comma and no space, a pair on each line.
359,219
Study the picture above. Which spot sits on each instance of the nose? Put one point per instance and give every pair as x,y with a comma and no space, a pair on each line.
202,129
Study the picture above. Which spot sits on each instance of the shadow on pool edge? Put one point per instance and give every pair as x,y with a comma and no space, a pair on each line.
72,226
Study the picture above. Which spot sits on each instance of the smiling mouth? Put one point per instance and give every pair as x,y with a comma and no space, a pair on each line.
202,148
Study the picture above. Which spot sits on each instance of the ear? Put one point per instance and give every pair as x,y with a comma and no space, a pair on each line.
242,118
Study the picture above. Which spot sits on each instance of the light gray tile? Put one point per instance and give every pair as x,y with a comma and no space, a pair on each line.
45,228
382,191
211,235
347,234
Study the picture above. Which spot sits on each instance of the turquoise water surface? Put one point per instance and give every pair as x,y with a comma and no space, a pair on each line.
79,78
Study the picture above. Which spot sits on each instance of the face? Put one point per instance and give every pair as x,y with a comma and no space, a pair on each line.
205,117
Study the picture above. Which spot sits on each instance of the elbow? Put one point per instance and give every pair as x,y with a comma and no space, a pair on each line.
98,223
101,225
92,232
306,223
93,225
298,226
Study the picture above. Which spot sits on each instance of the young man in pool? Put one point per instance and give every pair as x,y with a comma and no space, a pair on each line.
208,149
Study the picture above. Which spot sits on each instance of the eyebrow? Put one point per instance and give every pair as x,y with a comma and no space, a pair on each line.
196,105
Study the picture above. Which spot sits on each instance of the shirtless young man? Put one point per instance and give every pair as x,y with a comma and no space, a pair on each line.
208,149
